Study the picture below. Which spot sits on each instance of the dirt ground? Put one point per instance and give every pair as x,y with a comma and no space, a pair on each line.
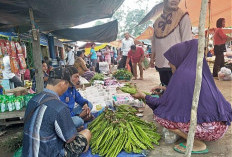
220,148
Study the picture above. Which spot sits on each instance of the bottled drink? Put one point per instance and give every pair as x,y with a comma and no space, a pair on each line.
10,105
3,106
17,104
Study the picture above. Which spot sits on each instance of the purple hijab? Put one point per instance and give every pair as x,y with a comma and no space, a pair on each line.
175,104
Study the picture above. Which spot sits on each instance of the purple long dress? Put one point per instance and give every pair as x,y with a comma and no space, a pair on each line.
175,104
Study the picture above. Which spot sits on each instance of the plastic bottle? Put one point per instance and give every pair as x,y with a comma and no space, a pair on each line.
17,104
10,105
169,137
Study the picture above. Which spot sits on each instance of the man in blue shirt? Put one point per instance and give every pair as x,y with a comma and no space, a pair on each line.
81,112
48,127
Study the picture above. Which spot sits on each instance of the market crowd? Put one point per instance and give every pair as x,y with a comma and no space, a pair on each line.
54,125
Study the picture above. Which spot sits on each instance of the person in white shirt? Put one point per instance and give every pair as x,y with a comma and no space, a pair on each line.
70,56
7,73
126,45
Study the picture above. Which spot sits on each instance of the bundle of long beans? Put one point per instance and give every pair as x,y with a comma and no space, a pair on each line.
114,131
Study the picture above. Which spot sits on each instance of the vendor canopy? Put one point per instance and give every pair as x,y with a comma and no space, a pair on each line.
101,33
218,9
54,14
147,34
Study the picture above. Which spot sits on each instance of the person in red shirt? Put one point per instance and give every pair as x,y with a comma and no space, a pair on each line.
136,54
219,46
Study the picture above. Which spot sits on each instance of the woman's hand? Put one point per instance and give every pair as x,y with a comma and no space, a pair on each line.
157,89
139,95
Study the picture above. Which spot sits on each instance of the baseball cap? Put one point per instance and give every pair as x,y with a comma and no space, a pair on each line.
62,73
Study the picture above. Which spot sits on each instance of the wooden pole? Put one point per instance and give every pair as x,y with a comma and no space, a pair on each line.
198,80
36,51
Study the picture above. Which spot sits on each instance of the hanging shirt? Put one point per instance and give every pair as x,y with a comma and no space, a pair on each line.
126,46
7,74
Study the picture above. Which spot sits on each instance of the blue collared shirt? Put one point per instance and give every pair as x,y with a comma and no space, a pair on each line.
72,96
52,92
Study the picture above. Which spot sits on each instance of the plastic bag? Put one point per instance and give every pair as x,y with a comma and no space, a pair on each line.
12,49
24,50
22,62
14,65
18,153
146,63
18,48
6,47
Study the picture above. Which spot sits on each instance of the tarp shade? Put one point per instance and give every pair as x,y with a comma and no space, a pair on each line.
147,34
219,9
97,48
116,44
155,11
101,33
54,14
25,37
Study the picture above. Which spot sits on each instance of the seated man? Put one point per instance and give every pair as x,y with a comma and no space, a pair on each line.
48,127
80,113
45,77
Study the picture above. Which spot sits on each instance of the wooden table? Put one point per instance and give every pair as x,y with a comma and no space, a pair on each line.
14,117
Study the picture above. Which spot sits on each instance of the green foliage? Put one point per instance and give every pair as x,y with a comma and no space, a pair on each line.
11,144
97,76
129,19
122,74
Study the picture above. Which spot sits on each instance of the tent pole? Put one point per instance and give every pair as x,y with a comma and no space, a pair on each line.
198,80
36,51
207,32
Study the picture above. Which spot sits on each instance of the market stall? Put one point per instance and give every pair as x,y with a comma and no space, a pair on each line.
117,114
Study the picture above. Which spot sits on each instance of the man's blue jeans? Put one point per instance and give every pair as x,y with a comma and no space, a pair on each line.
78,121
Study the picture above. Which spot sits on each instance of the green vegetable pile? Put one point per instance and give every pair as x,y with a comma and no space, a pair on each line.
97,76
129,88
122,74
114,131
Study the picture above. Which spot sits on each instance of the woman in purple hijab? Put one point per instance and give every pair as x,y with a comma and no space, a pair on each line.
173,109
